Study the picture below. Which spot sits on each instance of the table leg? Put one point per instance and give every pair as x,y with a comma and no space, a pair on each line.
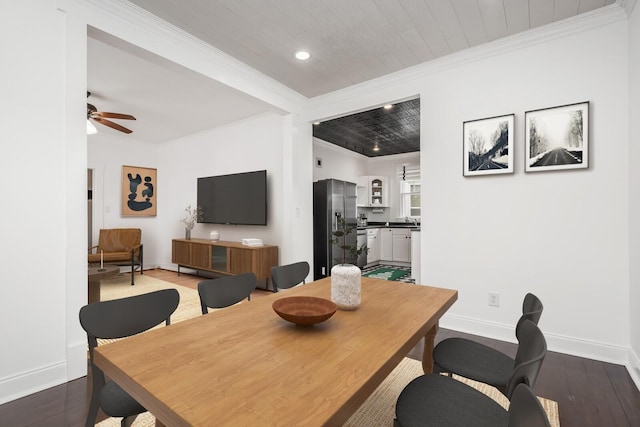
427,354
94,291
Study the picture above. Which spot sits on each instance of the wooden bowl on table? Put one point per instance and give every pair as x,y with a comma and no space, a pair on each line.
303,310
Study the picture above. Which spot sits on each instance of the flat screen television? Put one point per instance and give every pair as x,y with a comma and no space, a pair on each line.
239,198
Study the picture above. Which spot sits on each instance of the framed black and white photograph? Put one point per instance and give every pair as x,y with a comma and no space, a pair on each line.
488,146
557,138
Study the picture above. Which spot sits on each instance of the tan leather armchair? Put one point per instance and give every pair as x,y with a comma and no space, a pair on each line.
119,246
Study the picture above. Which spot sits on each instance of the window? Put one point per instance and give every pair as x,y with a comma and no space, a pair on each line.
410,196
409,177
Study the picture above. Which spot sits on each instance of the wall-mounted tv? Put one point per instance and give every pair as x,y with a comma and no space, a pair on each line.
239,198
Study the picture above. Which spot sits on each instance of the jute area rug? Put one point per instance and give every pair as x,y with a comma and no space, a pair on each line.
377,410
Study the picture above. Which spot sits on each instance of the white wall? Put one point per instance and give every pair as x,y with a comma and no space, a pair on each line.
337,162
634,192
44,206
248,145
44,165
561,235
107,152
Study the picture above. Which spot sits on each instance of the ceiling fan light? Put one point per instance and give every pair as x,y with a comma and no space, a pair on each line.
91,129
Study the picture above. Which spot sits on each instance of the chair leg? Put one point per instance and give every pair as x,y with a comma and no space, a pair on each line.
93,412
128,421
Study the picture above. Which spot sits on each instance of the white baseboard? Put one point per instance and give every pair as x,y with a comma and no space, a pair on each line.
562,344
633,367
32,381
35,380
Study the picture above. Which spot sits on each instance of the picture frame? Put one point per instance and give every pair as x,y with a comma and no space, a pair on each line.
488,145
139,191
557,138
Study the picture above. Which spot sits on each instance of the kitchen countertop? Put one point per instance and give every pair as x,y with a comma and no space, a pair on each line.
409,225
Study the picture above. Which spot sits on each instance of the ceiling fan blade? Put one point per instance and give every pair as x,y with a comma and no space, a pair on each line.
112,115
112,125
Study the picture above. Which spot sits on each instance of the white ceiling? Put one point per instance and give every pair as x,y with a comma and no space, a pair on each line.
167,100
351,41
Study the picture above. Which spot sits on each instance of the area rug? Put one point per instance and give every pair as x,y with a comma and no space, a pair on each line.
387,273
120,287
377,410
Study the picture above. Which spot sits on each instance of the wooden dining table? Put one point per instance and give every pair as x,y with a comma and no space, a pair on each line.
245,366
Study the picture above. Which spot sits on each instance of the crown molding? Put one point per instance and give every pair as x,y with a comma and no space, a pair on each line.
112,15
552,31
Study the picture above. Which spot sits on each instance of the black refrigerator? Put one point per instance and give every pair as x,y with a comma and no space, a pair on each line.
332,199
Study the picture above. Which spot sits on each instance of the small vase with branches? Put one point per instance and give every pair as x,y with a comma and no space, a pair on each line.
339,238
193,216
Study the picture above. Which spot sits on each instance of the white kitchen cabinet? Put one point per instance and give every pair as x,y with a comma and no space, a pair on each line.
395,244
386,244
401,238
362,191
378,191
373,191
373,244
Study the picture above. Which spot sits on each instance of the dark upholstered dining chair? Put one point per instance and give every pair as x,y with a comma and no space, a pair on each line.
226,291
479,362
439,400
119,319
290,275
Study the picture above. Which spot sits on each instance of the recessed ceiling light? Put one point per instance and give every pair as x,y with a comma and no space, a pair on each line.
302,55
316,123
376,148
388,106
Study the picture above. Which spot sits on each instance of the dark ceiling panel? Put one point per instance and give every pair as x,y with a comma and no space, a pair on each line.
394,131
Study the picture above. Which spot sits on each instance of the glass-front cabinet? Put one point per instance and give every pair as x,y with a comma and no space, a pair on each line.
373,191
219,258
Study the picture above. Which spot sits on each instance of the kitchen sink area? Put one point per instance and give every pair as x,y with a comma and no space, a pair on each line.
409,225
391,243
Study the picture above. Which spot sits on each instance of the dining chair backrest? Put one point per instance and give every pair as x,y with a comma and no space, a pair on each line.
525,409
225,291
290,275
531,309
122,318
532,349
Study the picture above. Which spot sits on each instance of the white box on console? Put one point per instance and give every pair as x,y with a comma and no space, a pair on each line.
252,242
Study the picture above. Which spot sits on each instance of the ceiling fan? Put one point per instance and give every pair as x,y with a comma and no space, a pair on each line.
101,117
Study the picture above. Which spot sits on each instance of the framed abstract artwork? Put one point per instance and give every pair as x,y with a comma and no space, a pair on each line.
139,191
557,138
488,145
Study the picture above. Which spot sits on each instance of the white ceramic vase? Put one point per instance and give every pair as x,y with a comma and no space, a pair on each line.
214,236
346,286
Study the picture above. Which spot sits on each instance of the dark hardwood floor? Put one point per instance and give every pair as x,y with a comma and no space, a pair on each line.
589,393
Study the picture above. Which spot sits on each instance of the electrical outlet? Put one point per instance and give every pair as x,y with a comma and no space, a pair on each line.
494,299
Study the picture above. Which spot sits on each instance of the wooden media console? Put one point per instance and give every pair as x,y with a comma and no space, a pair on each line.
225,258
